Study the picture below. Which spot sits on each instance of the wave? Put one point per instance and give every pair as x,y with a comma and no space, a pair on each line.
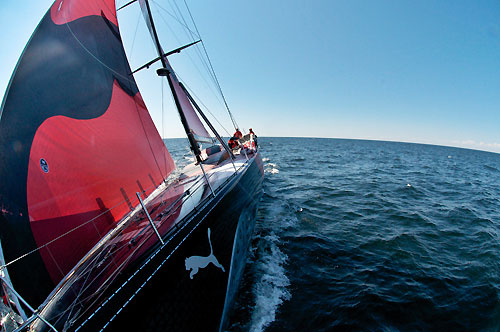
271,284
271,168
378,236
270,290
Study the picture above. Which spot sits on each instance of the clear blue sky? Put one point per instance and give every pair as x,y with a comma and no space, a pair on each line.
414,71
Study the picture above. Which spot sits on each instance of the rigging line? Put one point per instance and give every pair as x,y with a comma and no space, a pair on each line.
207,68
173,16
91,266
163,122
199,99
206,108
60,236
98,293
98,258
217,96
205,64
179,12
210,62
96,58
135,33
220,89
182,17
191,36
68,232
148,279
55,262
149,142
85,275
73,304
87,272
203,61
186,28
170,28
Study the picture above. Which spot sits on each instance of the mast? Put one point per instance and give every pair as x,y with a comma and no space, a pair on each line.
167,71
224,144
57,204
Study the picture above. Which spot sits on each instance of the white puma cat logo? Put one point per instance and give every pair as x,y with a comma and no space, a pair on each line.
194,263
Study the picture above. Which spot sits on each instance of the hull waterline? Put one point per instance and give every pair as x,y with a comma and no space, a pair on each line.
187,283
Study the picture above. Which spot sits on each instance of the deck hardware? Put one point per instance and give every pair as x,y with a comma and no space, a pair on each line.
149,217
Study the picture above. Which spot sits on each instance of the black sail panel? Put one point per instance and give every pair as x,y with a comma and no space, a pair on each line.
75,135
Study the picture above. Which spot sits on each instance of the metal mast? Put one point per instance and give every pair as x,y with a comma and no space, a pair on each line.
167,71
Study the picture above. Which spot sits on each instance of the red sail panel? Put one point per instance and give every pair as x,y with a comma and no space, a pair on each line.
89,164
76,140
64,11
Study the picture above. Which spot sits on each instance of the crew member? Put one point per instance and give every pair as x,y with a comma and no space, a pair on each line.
232,142
238,134
254,137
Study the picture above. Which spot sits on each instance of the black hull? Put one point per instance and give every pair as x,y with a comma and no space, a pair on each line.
161,296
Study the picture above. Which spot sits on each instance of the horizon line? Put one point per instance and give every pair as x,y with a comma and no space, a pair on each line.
374,140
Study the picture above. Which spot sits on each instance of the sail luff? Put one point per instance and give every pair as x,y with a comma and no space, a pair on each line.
77,139
195,130
148,18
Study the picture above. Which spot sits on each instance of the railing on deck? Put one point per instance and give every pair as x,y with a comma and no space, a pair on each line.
91,266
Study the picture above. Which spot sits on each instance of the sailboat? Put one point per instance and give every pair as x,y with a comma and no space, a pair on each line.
95,231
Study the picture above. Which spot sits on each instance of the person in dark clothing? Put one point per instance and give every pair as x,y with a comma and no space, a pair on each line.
238,134
254,137
232,142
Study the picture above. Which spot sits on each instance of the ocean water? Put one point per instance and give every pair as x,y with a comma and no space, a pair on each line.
368,235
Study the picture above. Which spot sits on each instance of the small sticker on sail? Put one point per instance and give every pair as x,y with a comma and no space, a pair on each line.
44,166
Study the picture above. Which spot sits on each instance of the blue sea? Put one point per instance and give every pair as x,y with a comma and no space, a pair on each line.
368,235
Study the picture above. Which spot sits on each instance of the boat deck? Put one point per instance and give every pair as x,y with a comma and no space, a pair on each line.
134,238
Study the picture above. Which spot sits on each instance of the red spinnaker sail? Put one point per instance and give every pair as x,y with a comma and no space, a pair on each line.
75,140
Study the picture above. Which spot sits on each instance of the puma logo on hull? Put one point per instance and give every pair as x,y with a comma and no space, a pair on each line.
194,263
